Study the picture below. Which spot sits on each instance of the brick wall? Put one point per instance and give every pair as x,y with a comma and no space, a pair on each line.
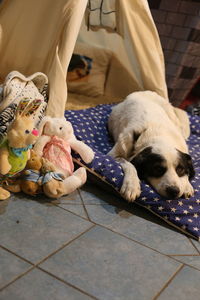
178,24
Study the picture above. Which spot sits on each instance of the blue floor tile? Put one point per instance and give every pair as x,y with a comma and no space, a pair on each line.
193,261
37,285
111,267
184,286
11,267
33,230
138,228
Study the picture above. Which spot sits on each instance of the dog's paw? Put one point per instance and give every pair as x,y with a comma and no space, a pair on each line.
131,189
189,191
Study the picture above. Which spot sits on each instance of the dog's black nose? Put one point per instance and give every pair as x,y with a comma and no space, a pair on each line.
172,191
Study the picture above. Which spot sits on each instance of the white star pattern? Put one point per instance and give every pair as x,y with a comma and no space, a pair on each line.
144,198
155,199
196,228
160,208
173,209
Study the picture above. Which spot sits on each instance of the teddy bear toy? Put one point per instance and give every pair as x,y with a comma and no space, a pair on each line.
54,144
15,149
30,177
55,184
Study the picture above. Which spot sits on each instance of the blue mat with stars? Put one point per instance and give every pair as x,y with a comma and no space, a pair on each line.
90,126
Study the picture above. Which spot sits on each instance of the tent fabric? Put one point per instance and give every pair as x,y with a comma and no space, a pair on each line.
133,21
39,36
90,126
43,41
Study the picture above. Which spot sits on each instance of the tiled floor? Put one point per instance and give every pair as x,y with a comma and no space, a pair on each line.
92,245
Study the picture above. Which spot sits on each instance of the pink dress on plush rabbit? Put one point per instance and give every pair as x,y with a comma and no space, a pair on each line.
58,152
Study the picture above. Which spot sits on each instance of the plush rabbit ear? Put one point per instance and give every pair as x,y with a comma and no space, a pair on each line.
21,107
31,107
44,121
27,107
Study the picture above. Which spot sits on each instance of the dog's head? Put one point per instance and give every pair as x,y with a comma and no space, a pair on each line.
167,170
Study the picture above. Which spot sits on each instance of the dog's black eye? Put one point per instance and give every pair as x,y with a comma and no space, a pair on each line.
27,131
180,170
158,171
60,128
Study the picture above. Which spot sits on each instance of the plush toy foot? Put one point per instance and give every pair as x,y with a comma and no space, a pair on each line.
81,174
14,188
4,194
73,182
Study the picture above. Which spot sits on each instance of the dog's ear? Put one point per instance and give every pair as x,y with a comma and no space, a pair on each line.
186,161
189,166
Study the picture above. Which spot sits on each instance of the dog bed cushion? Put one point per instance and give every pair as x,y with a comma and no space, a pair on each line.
90,126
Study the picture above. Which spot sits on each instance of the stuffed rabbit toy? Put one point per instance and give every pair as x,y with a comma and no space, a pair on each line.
54,144
15,149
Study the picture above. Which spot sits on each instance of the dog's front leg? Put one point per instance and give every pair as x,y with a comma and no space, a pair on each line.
131,184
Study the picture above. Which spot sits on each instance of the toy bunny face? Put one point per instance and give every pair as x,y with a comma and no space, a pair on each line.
22,133
59,127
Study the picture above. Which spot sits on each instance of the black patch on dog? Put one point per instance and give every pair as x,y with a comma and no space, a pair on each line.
149,164
185,166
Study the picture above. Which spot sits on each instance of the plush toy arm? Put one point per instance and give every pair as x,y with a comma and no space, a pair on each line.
4,163
40,144
83,150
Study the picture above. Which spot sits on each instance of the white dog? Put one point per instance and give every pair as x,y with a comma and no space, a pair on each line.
149,135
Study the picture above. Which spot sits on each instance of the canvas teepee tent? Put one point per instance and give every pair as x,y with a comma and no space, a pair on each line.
39,36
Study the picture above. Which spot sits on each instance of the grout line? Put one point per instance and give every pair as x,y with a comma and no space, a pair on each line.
184,255
15,254
17,277
153,249
186,264
138,242
94,224
84,218
44,259
168,282
62,247
194,246
84,206
66,282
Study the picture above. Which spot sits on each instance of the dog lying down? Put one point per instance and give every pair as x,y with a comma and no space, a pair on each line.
150,143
